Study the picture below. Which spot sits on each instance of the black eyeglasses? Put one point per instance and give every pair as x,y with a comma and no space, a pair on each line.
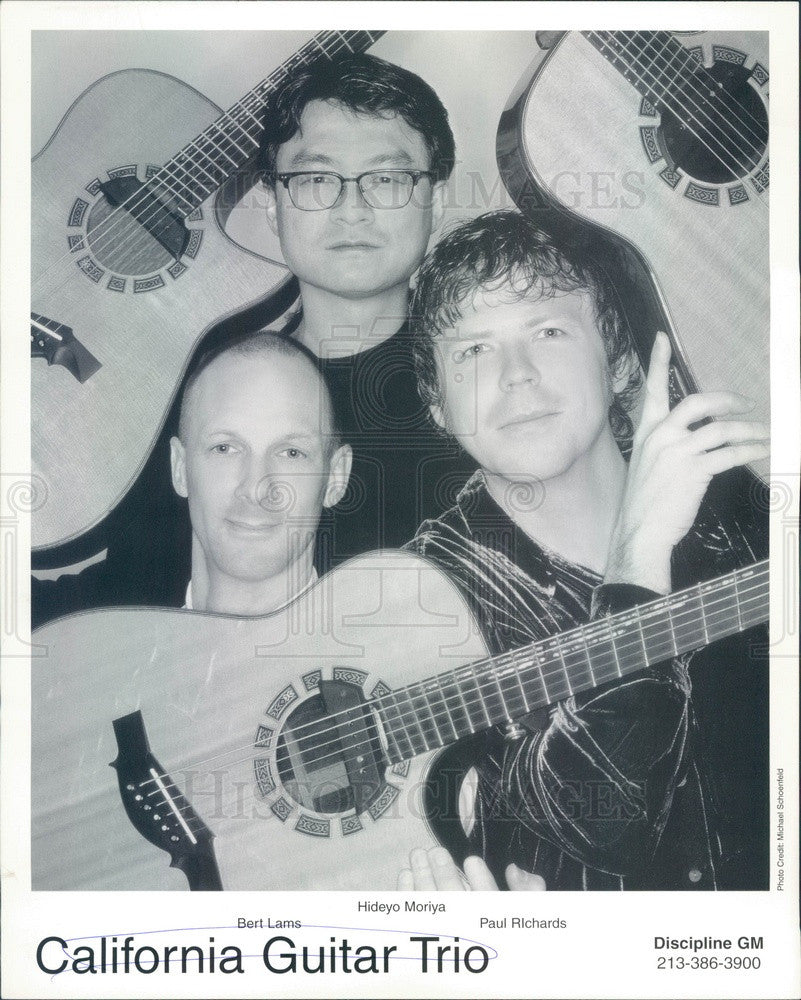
317,190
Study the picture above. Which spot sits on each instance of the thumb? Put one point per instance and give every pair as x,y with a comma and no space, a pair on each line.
523,881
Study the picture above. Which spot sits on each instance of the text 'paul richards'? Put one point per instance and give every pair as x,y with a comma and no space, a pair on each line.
280,955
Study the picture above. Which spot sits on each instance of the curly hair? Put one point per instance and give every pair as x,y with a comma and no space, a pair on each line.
507,249
366,85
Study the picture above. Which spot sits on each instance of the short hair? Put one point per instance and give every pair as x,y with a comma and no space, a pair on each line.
366,85
505,247
258,342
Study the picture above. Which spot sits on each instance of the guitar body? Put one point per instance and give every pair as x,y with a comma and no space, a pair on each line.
218,696
124,297
581,145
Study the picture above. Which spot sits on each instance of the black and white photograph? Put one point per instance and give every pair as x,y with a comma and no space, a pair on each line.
401,499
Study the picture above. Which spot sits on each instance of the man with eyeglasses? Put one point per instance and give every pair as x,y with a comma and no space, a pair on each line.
355,158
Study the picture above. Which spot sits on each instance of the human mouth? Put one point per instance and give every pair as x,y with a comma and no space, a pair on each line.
354,245
252,527
524,419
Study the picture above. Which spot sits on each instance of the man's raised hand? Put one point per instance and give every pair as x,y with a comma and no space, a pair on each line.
672,463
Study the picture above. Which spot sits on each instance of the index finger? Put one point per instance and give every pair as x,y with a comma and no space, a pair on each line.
657,397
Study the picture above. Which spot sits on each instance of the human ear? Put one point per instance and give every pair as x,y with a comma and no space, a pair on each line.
178,467
437,415
338,475
437,204
272,208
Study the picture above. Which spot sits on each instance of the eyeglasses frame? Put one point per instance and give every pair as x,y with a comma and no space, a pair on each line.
286,177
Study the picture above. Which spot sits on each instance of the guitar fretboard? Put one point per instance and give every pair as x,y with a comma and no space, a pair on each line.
440,710
185,181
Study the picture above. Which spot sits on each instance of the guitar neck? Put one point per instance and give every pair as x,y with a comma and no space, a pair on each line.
440,710
232,141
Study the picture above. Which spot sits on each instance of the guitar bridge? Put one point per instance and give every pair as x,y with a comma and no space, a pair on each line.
159,810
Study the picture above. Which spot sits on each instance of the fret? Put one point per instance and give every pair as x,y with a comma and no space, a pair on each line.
576,660
345,41
737,603
491,703
256,121
538,693
476,706
440,712
687,624
411,719
209,159
465,705
606,663
519,679
179,164
719,607
458,716
221,135
555,646
490,719
703,616
238,127
395,726
641,637
511,691
426,719
657,631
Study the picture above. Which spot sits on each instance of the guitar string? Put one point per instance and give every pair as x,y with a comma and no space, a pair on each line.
698,73
494,666
215,126
309,52
118,215
371,745
139,235
719,154
719,116
716,153
250,102
699,76
745,168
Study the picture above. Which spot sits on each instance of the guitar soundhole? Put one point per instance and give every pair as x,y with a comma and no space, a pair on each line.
122,244
310,762
725,140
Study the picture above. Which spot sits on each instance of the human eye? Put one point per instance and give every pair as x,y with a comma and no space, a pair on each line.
222,448
470,351
549,333
312,180
294,453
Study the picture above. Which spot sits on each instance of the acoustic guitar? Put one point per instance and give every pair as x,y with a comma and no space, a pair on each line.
293,751
131,267
653,148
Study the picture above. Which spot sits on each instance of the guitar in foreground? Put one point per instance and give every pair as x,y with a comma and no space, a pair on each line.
293,751
653,147
131,267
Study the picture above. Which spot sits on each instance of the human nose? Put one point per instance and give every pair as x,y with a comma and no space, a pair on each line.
261,486
518,368
351,206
